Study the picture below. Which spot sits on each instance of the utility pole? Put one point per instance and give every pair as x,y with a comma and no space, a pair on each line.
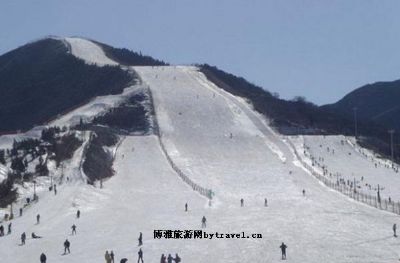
391,132
355,123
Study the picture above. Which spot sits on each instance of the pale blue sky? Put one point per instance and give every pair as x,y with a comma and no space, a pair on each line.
318,49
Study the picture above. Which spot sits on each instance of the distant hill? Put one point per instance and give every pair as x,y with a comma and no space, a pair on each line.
378,103
42,79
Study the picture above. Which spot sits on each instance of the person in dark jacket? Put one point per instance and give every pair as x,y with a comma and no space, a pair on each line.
123,260
73,229
9,228
203,222
170,258
177,259
112,256
1,230
241,202
78,214
37,218
66,246
186,207
43,258
140,239
163,259
283,249
140,256
20,212
394,230
23,238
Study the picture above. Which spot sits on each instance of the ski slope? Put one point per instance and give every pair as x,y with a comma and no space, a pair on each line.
219,142
89,51
346,161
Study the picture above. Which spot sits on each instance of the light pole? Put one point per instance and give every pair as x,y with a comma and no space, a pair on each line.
391,132
355,123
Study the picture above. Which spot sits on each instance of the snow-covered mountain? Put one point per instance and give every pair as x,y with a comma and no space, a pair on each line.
205,139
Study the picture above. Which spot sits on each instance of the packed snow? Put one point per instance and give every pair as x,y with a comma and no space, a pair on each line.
345,161
220,143
97,106
3,172
89,51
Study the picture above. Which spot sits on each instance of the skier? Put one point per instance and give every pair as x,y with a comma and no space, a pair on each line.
394,230
265,202
107,257
186,207
73,229
177,259
163,259
170,258
66,247
140,239
78,214
304,192
37,218
43,258
1,230
123,260
55,189
241,202
23,238
203,222
112,256
20,211
34,236
283,249
9,229
140,256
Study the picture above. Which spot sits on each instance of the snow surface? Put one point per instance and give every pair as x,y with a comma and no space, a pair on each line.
89,51
95,107
3,172
346,161
196,120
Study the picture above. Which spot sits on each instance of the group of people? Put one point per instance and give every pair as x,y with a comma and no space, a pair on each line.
169,259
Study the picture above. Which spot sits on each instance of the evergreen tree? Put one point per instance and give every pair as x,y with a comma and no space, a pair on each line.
2,157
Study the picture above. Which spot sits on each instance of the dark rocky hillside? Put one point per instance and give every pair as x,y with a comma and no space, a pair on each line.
128,57
42,79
